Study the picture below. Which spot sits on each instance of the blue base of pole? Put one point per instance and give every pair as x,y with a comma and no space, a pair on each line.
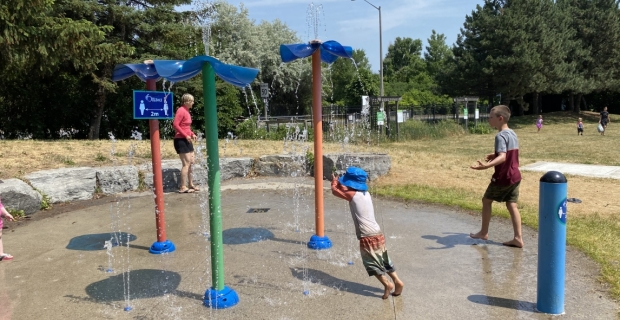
319,243
223,299
162,247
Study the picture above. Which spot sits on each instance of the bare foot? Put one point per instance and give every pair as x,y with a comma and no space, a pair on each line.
387,291
398,289
517,243
479,235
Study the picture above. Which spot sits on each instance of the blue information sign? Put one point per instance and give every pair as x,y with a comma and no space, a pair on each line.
152,105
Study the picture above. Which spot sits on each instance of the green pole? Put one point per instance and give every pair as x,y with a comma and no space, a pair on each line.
213,165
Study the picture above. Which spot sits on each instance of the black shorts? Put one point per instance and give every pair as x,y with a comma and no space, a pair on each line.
579,130
604,122
183,146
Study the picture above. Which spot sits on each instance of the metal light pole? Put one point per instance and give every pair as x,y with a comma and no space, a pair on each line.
380,51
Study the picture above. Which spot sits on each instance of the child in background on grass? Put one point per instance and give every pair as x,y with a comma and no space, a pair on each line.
580,127
539,122
352,187
3,213
504,185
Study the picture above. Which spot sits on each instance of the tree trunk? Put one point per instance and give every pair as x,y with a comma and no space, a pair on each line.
535,109
585,104
101,80
519,111
95,122
540,109
571,102
578,104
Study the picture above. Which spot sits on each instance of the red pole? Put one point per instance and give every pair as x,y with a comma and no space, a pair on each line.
317,111
160,219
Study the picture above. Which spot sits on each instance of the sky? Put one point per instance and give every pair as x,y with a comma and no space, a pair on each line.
355,23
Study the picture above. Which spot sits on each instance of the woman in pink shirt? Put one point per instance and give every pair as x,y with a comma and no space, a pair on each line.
183,142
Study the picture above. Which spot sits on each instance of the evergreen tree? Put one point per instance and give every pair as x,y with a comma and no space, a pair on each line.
437,55
596,56
469,71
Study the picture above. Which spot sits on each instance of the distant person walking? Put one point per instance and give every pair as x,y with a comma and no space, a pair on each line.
580,127
183,143
352,187
3,213
604,120
504,185
539,122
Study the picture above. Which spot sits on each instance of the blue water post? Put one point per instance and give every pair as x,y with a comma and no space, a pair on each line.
551,243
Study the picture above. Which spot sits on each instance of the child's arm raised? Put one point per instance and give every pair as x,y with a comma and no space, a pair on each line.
499,159
341,191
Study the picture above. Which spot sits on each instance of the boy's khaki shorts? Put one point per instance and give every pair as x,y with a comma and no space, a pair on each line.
503,193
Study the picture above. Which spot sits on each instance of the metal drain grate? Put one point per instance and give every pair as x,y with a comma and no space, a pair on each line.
258,210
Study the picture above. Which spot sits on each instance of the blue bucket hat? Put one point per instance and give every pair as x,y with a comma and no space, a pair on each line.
354,178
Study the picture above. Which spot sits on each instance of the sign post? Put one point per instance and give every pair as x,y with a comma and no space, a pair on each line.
375,100
153,105
264,93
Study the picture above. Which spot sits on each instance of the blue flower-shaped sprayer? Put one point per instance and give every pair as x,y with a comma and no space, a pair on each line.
330,51
178,70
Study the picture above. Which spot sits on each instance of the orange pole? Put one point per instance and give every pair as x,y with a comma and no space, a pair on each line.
317,111
157,173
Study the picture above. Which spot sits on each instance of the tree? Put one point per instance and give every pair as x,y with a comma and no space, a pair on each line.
342,73
37,39
596,27
437,55
41,42
403,60
366,85
138,29
470,71
533,58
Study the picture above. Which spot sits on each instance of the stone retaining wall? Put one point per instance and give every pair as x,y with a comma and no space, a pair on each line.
70,184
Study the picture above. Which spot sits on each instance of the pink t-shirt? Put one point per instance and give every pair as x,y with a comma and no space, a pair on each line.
182,123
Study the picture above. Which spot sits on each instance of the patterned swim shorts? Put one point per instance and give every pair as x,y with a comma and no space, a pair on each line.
375,256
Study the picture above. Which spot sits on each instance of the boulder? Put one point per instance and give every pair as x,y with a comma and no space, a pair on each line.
235,167
65,184
375,164
281,166
18,195
119,179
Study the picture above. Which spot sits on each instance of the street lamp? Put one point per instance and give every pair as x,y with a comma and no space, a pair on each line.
380,51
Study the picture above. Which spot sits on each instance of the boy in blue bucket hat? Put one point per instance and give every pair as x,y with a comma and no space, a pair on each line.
352,187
